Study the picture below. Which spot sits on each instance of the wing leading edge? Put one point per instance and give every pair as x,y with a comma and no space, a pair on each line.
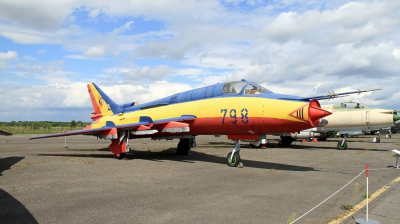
145,126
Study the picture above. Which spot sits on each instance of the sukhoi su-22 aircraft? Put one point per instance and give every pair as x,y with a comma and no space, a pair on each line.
241,110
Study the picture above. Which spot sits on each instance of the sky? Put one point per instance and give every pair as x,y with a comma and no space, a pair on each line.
143,50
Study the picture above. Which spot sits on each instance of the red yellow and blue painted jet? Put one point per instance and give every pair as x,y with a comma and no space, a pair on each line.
241,110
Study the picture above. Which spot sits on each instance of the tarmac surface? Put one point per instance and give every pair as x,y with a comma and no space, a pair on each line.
43,182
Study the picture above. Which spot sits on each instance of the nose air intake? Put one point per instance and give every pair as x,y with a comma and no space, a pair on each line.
315,113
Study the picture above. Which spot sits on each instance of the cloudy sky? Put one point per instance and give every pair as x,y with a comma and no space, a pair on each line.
141,50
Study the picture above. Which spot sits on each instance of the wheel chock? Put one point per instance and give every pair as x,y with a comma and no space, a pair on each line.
304,140
315,140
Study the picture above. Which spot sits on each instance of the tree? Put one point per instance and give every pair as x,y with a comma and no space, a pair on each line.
73,124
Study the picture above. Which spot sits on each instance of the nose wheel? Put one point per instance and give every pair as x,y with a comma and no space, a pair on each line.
342,145
233,160
233,157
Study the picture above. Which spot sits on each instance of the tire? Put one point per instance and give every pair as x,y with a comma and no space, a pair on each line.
235,160
286,141
121,156
341,146
376,140
180,150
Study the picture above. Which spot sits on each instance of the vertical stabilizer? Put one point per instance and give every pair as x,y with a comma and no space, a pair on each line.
102,104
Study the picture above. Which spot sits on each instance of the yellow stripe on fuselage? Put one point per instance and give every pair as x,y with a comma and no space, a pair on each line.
214,108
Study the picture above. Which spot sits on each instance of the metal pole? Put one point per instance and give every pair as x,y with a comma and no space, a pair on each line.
366,170
65,143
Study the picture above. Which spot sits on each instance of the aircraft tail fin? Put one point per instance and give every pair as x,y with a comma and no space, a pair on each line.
102,104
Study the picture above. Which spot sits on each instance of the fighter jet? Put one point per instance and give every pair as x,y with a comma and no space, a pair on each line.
349,118
241,110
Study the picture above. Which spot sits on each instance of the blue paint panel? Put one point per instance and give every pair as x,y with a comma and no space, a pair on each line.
212,91
145,119
110,124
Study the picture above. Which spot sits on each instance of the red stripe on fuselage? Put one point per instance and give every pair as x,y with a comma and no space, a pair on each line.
255,125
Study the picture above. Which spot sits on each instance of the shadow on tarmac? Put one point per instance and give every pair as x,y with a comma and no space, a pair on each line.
333,147
168,155
12,211
7,163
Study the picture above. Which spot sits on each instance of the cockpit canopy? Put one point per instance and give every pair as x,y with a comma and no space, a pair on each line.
243,87
352,105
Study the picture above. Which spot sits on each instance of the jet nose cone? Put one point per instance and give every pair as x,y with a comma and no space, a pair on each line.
315,113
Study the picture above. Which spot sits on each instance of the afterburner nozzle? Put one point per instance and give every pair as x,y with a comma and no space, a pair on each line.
315,113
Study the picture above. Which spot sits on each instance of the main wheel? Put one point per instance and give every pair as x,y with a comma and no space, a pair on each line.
341,146
120,156
286,141
376,140
235,159
180,150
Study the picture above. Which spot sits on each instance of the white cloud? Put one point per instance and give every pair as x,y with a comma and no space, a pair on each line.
95,51
296,47
396,53
145,72
42,14
8,55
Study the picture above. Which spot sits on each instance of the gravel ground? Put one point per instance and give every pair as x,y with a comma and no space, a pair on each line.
43,182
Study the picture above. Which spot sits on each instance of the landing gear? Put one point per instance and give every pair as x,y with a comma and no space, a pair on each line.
184,146
233,160
286,141
376,140
120,156
342,145
261,143
389,134
234,156
119,147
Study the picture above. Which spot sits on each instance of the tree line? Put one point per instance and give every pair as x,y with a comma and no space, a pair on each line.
41,127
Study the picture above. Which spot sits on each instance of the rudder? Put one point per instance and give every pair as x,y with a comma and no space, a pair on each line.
102,104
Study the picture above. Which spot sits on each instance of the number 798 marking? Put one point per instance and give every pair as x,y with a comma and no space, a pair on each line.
244,112
223,116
